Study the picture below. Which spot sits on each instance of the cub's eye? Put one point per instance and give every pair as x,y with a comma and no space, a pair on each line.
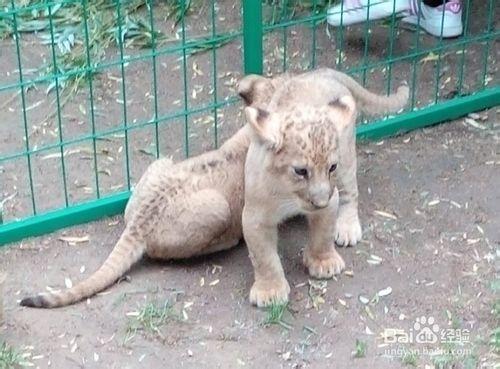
333,167
300,171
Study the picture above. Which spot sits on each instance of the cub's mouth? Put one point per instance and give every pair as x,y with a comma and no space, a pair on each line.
309,207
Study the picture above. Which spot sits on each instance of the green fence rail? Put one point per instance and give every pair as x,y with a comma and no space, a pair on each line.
92,91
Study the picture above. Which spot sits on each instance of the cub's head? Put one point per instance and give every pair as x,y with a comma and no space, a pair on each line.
302,148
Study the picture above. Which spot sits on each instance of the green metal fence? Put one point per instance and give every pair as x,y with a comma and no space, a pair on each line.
93,91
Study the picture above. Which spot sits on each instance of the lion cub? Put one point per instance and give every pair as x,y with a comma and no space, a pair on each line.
302,151
195,207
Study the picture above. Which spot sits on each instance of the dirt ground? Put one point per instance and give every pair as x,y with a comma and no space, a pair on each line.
430,209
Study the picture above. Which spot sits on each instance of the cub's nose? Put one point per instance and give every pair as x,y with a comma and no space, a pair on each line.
320,195
320,203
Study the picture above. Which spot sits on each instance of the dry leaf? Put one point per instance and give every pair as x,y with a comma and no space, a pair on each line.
385,292
374,260
286,356
240,362
52,290
474,124
74,239
196,69
385,214
369,312
430,57
68,282
364,300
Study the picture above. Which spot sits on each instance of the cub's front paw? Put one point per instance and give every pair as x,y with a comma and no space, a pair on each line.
325,265
347,230
265,293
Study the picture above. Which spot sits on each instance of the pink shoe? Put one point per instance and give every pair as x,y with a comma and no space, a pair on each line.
442,21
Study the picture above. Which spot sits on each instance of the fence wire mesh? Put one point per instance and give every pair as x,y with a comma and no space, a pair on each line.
92,91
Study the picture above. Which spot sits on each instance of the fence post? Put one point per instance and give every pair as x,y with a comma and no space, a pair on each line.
252,36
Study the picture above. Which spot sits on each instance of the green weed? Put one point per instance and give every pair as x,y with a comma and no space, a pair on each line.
495,340
409,358
359,349
149,319
9,358
275,315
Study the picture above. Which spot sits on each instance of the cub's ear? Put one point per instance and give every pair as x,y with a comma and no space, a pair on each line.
265,126
344,111
253,89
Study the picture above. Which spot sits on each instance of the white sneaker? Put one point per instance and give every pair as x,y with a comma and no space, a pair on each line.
444,20
357,11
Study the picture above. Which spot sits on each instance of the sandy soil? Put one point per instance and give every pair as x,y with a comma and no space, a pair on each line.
430,209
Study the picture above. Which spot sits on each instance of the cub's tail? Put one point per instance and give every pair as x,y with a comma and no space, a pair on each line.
127,251
369,102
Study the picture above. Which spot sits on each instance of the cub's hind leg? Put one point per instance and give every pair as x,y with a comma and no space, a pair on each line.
347,227
190,224
141,188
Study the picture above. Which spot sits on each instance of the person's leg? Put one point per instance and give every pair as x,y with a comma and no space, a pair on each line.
440,18
350,12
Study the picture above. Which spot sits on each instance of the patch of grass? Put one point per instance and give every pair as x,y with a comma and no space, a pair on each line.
69,24
149,319
454,319
34,16
495,285
177,11
9,358
470,362
450,355
82,34
275,315
495,340
359,349
410,358
443,361
496,310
